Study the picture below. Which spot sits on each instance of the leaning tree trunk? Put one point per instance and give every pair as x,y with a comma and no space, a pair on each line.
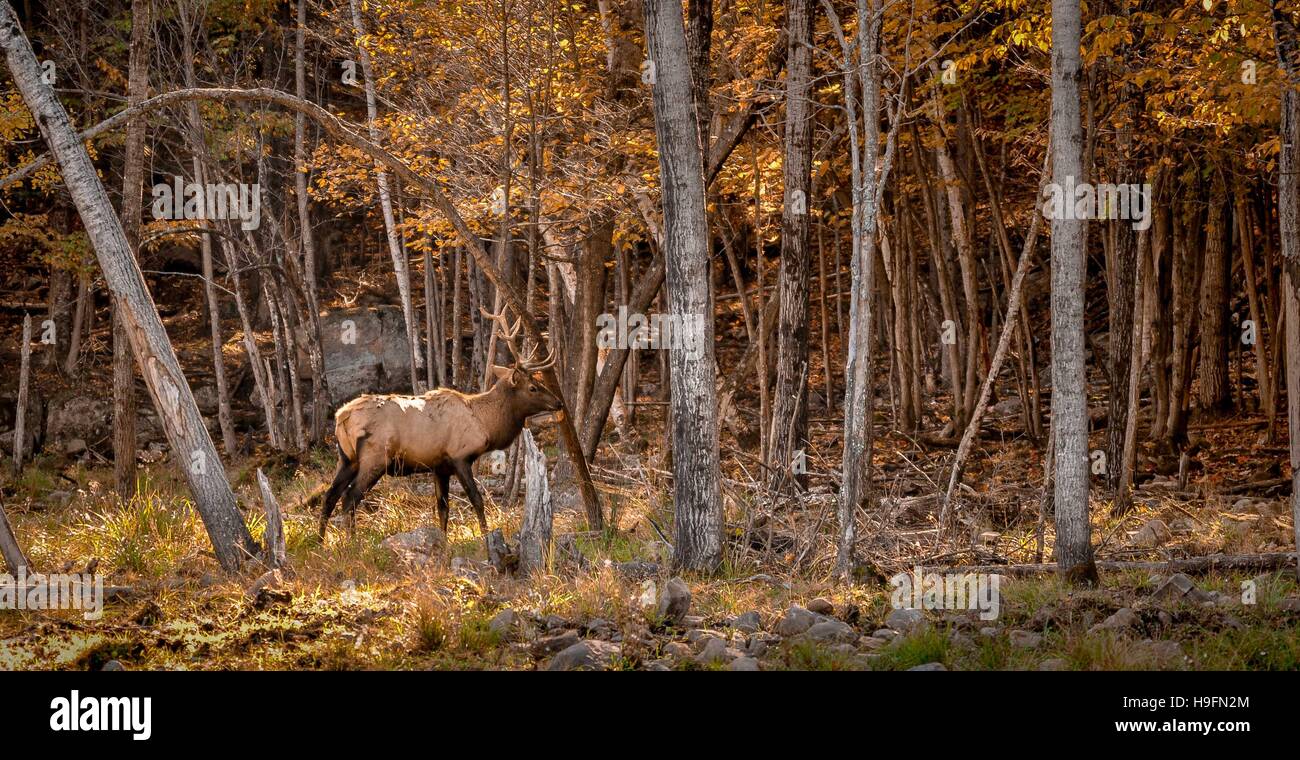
788,428
124,437
180,417
696,486
1069,238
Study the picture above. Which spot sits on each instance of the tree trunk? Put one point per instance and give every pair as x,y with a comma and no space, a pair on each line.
696,486
171,394
24,386
1214,392
788,430
400,268
124,437
535,531
1069,240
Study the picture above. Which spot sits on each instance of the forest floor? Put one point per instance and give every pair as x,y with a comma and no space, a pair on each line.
352,603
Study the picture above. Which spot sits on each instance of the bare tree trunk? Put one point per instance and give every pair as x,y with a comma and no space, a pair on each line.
788,429
124,437
319,384
1213,391
171,393
10,551
400,268
24,384
1069,238
696,484
1289,224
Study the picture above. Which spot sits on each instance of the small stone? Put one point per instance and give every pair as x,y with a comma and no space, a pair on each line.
1053,663
1154,533
990,631
715,651
905,620
668,602
549,645
929,666
831,631
504,623
586,655
743,663
74,446
747,622
659,665
871,643
1025,639
698,637
600,628
417,546
113,665
759,643
795,621
676,650
821,606
888,634
1175,587
1124,618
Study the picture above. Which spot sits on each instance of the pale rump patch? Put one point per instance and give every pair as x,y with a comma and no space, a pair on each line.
410,402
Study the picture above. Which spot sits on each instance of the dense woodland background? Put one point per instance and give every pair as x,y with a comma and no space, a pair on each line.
905,363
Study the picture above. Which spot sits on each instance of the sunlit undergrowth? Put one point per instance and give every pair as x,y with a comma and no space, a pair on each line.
351,603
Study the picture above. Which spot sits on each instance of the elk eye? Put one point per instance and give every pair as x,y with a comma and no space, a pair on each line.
532,387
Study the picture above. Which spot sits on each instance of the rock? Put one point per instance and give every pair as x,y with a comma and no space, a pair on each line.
88,418
990,631
600,628
365,351
888,634
743,663
905,619
505,623
548,645
747,622
74,446
266,591
698,637
716,651
586,655
1123,619
828,631
759,643
659,665
676,650
636,570
666,602
416,547
1053,663
555,623
1162,653
1154,533
1182,526
821,606
464,567
871,643
1025,639
929,666
1175,587
795,621
989,538
113,665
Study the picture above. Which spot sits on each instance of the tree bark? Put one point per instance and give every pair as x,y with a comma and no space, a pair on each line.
788,429
696,482
1069,240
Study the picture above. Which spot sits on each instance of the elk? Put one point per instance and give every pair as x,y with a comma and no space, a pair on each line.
442,431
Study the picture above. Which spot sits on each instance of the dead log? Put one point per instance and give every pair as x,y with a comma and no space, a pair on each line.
274,553
535,534
1188,566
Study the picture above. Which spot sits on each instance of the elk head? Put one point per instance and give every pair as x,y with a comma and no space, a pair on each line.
528,395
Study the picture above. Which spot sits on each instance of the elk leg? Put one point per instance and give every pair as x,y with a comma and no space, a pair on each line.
466,477
343,477
444,508
369,474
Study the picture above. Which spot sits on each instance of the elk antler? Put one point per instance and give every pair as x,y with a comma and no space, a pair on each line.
508,334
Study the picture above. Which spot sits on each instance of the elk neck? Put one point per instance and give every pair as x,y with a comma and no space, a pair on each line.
498,411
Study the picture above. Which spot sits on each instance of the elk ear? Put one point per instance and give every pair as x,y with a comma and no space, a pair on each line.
502,373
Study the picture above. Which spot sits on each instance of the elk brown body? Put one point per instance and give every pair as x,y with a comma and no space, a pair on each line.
443,431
